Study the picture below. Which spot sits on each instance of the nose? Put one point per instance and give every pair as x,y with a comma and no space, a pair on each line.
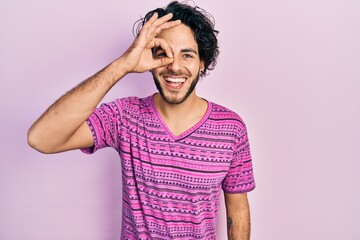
175,66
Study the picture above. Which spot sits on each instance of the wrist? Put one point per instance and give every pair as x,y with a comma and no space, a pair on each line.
118,68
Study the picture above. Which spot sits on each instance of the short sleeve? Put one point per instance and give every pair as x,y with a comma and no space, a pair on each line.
240,177
104,125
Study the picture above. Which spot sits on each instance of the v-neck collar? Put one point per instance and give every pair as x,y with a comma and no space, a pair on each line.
188,131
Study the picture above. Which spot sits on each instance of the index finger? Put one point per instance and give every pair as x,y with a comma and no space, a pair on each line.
165,25
164,22
162,44
155,18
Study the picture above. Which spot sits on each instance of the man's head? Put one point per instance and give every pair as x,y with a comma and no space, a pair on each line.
194,48
202,25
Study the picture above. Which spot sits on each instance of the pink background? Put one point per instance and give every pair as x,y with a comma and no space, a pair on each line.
291,69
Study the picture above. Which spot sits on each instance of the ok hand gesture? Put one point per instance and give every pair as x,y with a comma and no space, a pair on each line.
139,57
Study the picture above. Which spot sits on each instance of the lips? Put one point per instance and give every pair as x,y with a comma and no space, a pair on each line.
174,82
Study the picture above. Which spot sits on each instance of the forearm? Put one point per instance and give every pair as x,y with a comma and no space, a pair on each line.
238,216
62,119
62,127
239,225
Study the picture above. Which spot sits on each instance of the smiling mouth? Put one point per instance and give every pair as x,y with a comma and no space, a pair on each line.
175,81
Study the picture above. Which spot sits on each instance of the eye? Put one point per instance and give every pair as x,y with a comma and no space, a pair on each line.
188,56
160,54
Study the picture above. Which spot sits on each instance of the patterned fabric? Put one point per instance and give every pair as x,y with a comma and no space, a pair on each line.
172,184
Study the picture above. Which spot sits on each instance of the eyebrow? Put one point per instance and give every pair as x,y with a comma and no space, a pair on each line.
189,50
185,50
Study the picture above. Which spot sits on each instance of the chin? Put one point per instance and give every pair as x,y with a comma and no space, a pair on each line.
175,100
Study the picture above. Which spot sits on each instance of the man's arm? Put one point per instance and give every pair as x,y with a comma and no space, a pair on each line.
62,127
238,216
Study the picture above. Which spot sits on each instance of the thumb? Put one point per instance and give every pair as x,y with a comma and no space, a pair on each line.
162,62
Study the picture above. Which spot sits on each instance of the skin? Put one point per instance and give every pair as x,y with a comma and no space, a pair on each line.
180,108
238,216
186,64
62,127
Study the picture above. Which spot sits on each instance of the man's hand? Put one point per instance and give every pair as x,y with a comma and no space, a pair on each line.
139,57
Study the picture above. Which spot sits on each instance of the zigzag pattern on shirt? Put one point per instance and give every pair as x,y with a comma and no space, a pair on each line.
171,185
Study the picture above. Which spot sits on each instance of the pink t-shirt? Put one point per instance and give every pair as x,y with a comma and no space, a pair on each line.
172,184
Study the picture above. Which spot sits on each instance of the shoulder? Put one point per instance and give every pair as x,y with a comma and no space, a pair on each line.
133,103
225,115
127,109
230,121
131,108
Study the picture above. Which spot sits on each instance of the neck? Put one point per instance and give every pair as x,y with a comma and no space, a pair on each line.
193,105
181,117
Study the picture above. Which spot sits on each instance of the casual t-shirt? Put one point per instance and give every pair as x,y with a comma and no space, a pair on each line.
172,184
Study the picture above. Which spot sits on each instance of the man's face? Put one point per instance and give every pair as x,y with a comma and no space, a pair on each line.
177,80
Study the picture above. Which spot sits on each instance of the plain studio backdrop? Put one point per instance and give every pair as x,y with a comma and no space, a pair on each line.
290,69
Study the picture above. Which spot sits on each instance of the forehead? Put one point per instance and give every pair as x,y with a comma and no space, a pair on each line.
179,37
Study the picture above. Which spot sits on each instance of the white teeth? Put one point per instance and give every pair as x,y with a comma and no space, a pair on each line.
175,80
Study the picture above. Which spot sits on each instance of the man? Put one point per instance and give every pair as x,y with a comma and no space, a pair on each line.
177,149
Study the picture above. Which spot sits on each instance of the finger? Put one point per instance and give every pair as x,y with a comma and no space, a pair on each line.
161,43
166,25
148,24
162,23
162,62
162,20
154,21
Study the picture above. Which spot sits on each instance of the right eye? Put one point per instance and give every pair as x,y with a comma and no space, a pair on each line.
160,54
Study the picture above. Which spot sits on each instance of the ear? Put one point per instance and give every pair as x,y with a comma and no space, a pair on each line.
202,65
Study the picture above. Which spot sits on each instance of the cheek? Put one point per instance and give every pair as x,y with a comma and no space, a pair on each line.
192,65
194,68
